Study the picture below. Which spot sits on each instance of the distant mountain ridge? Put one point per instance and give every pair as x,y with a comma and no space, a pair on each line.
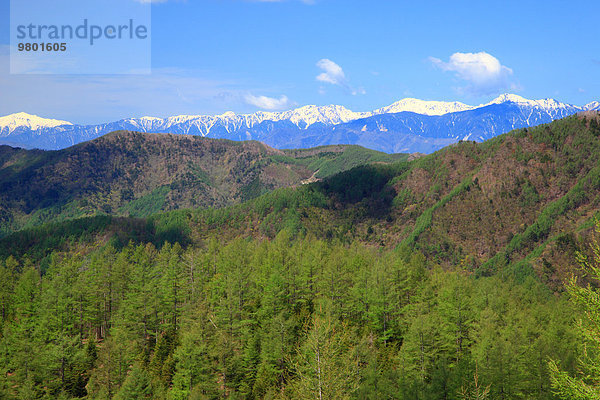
409,125
137,174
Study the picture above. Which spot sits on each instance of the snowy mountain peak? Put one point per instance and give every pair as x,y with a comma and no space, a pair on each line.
228,115
594,105
308,115
547,104
14,121
507,97
424,107
148,118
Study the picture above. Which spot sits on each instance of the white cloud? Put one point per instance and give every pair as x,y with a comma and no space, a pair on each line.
267,103
483,73
334,74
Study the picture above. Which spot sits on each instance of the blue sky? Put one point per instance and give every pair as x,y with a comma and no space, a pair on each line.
212,56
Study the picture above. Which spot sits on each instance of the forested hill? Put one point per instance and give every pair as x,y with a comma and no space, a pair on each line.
525,199
437,278
134,174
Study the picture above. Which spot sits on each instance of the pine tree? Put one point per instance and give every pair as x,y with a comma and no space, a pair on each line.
587,384
21,336
326,366
193,365
137,385
7,277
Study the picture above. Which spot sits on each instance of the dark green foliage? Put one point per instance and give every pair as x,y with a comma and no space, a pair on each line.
355,185
37,243
40,241
252,190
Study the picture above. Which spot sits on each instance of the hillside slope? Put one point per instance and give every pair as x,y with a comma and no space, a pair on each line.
128,173
523,201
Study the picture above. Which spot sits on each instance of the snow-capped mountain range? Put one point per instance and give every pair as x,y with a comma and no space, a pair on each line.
407,125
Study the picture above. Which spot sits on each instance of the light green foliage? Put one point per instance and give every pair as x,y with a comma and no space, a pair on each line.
258,319
148,204
326,366
423,222
137,385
